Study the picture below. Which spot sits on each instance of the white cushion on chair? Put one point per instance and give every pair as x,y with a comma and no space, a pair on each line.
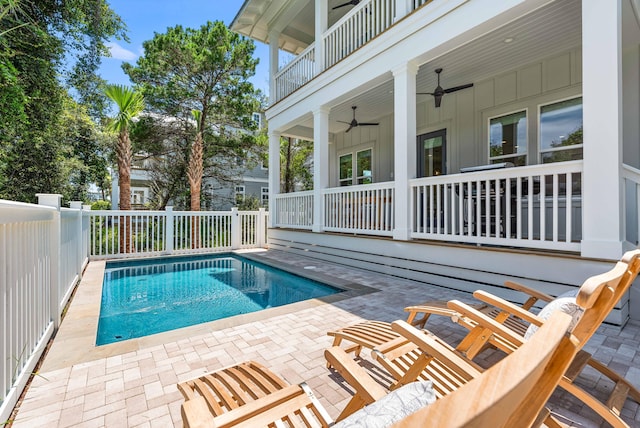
566,302
392,407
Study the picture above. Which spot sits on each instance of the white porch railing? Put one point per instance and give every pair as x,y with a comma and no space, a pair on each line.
294,210
41,258
366,209
174,232
536,207
361,24
296,73
631,200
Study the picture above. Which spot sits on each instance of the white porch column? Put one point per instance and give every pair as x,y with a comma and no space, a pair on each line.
320,164
602,118
321,24
404,144
274,40
274,175
403,7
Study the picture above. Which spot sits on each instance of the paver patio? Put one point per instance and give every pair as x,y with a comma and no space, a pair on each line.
133,383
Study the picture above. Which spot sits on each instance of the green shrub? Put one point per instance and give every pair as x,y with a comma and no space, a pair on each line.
100,205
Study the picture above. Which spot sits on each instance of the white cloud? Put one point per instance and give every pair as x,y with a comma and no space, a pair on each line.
118,52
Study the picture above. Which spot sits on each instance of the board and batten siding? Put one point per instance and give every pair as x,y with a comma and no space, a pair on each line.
465,115
380,138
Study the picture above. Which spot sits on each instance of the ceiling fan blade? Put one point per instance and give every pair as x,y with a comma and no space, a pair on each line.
425,93
342,121
438,100
352,2
458,88
367,124
349,128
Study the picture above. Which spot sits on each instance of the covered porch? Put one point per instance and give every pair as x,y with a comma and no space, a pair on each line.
538,150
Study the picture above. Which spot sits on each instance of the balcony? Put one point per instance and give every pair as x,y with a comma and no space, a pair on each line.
359,26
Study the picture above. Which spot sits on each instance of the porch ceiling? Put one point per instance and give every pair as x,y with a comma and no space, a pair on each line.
294,19
549,30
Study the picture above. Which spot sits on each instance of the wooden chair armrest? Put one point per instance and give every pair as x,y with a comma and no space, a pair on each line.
528,290
508,307
486,322
196,414
431,346
356,376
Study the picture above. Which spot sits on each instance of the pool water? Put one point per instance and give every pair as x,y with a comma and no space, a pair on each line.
140,298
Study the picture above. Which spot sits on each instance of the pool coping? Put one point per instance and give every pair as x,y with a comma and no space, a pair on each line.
75,340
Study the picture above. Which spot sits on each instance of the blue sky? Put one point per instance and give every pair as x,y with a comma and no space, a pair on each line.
146,17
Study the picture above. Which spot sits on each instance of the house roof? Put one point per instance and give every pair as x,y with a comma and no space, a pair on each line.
293,19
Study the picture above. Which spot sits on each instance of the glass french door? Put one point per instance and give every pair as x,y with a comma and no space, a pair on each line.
432,153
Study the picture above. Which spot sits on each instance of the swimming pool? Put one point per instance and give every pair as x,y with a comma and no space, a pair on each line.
140,298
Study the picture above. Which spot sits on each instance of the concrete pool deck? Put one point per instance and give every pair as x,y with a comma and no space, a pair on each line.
133,383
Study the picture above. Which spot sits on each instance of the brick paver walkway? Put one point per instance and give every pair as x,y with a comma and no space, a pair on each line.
138,388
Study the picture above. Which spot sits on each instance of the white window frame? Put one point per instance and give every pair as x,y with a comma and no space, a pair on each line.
258,121
264,196
557,149
240,191
354,165
506,158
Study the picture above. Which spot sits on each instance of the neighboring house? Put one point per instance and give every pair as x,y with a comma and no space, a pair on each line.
141,193
481,139
248,182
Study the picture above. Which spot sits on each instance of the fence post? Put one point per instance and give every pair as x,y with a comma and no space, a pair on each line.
260,228
77,205
236,229
168,241
54,200
86,239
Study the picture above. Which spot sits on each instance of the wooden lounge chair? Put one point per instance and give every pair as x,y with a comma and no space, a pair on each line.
509,394
370,334
597,296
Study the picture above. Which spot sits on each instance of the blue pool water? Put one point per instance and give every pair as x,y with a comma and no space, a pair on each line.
147,297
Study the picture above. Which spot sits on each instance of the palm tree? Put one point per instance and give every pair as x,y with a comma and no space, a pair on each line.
130,104
195,171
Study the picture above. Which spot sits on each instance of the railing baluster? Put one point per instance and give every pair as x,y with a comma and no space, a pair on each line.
555,208
543,207
569,207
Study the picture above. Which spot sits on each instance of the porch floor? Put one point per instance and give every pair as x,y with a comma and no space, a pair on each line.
134,383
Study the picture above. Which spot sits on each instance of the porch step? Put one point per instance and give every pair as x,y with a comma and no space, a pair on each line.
457,267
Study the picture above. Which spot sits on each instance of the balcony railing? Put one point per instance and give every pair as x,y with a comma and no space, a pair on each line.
366,209
364,22
295,74
536,207
294,210
361,24
631,200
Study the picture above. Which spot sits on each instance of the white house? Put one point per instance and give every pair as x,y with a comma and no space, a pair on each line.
459,142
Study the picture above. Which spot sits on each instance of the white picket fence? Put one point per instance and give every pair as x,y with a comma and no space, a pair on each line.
122,234
42,255
44,249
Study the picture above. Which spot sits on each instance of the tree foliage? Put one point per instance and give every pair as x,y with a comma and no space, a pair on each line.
204,70
295,164
38,41
130,104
